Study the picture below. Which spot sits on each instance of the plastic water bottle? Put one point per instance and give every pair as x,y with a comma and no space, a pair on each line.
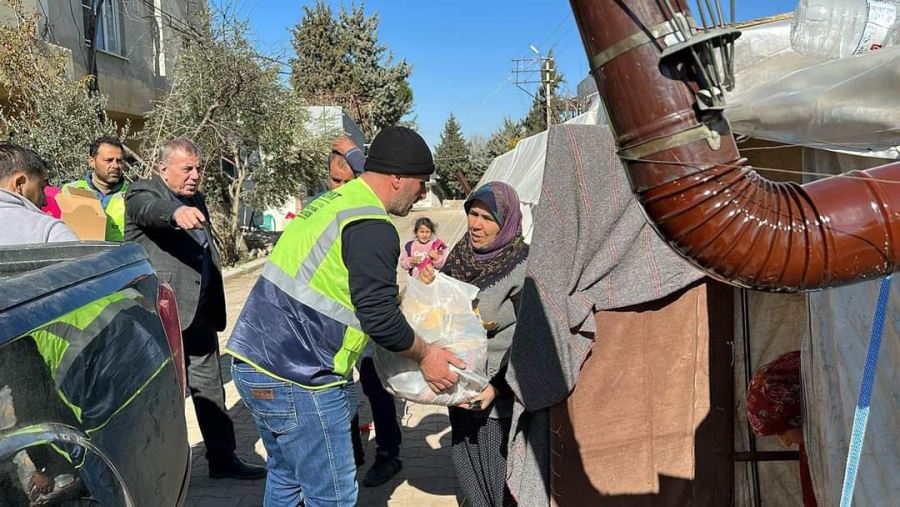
839,28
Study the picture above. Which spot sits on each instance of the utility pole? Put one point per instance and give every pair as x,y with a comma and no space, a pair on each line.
523,70
546,75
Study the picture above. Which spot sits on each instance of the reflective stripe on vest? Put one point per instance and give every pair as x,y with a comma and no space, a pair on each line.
114,211
308,266
55,349
61,342
298,286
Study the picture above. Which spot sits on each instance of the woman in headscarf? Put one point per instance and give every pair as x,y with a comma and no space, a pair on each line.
774,401
492,257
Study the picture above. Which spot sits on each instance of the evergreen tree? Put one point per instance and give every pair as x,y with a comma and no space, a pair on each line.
483,151
452,159
536,119
478,154
505,138
339,61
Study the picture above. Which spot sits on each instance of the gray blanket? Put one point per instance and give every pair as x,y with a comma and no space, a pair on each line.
592,250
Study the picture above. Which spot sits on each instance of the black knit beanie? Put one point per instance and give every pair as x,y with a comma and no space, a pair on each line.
399,150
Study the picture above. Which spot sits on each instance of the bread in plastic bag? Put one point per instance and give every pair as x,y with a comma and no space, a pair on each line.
441,313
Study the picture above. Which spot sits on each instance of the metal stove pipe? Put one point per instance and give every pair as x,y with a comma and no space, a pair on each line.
695,188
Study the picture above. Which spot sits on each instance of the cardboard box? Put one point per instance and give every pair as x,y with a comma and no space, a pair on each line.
83,213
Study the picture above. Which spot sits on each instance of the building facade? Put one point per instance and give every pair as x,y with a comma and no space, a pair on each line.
137,44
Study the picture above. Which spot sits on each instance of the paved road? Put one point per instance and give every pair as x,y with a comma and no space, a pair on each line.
427,478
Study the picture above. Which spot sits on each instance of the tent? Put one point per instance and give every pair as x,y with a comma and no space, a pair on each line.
832,115
847,105
523,167
794,116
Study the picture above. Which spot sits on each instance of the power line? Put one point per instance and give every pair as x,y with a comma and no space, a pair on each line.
564,10
565,35
185,29
506,81
561,23
80,34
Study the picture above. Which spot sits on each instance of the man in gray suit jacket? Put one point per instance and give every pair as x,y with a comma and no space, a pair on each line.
168,217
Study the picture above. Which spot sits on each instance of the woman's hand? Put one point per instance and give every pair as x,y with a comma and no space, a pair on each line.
483,401
427,274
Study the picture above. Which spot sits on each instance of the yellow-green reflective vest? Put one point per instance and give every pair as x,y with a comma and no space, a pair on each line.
128,351
114,210
299,323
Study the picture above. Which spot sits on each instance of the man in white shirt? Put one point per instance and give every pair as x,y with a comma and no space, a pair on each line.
23,176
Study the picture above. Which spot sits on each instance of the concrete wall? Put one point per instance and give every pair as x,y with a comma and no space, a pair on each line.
134,79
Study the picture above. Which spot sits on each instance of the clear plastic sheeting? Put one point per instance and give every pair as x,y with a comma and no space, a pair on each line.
523,167
840,321
847,105
763,55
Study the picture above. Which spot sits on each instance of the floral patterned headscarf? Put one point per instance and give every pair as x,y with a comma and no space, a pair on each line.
774,398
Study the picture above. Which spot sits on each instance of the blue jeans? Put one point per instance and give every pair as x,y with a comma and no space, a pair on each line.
307,438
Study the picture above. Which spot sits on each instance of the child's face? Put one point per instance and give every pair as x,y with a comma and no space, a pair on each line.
423,234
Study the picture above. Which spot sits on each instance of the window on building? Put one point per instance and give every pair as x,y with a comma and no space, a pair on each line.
109,25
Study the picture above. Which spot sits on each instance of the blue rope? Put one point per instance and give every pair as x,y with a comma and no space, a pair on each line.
861,417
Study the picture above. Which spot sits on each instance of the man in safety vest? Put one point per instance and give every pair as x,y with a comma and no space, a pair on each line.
329,285
106,158
345,164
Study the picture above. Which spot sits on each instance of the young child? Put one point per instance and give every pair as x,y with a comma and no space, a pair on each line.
425,246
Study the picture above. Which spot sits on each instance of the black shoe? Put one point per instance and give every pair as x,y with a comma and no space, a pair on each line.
234,468
382,470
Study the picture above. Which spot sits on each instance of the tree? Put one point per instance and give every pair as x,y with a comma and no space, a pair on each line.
483,151
452,159
478,154
46,109
250,128
536,119
339,61
505,138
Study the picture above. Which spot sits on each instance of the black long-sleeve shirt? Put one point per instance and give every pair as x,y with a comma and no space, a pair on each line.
370,249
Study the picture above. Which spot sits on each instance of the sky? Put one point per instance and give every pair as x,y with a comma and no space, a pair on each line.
462,51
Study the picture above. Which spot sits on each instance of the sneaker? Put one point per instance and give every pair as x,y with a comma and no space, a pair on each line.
382,470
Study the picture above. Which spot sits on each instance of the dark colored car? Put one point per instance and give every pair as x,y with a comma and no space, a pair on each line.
91,379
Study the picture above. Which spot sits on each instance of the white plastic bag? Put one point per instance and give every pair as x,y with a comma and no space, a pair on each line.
441,313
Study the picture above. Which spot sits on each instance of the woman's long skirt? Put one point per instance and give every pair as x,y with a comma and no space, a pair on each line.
478,451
